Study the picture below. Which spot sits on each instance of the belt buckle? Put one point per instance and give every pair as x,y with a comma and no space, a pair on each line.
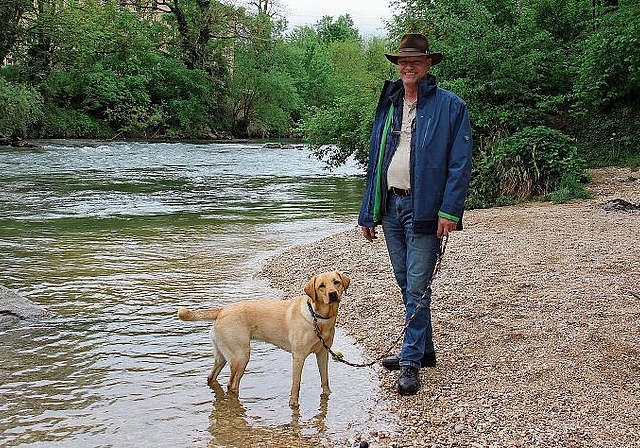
399,191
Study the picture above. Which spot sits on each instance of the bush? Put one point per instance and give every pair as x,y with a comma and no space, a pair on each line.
609,69
21,107
611,137
533,162
569,188
68,123
484,188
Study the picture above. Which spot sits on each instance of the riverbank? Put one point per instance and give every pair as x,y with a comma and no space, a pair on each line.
536,314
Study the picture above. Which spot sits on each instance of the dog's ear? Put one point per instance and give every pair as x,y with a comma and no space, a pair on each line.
310,288
345,279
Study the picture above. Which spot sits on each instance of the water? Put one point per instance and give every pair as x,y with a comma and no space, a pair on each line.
112,237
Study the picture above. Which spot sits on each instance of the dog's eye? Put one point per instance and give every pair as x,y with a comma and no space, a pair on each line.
321,285
337,282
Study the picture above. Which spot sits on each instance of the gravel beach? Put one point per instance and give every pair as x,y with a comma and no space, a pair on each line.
536,315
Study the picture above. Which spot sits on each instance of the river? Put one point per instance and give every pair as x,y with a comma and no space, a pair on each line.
112,237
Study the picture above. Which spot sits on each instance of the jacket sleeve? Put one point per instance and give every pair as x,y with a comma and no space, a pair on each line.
459,163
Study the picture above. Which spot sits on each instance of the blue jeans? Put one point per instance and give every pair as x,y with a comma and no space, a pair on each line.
413,257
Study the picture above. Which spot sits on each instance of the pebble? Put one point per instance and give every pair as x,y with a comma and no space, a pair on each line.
492,336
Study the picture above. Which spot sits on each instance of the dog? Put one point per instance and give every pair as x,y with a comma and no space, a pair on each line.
288,324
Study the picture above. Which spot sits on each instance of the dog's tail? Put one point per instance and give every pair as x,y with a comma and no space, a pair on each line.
207,314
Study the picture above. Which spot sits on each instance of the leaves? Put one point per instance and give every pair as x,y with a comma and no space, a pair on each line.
21,106
610,69
532,162
202,68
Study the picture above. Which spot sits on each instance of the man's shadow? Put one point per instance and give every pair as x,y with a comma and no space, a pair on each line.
229,425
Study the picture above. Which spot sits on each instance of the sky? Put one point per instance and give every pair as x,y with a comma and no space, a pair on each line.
367,15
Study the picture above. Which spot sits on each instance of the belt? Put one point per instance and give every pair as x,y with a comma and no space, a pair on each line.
400,192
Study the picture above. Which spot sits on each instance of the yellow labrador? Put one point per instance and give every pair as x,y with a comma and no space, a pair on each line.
288,324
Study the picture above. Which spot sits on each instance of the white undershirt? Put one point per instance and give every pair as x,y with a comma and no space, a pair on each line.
398,173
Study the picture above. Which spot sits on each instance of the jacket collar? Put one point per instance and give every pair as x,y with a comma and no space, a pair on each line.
426,87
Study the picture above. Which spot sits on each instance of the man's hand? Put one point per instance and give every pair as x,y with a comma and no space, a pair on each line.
369,233
445,227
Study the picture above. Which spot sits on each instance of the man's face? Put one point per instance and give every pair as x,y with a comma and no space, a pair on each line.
413,69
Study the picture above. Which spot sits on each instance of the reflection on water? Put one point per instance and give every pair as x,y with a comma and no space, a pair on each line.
230,426
112,237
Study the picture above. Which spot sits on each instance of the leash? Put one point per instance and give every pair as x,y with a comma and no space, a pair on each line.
334,355
340,357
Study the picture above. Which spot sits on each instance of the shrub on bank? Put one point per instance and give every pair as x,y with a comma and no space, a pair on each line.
21,107
530,163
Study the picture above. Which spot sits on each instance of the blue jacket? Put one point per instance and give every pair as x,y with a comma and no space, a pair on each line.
441,152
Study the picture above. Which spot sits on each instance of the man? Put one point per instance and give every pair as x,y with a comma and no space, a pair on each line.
417,180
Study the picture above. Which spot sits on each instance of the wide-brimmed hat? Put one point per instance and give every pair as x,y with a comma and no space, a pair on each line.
412,45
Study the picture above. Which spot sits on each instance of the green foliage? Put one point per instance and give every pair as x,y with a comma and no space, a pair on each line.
609,71
484,189
608,88
377,65
532,162
185,103
535,162
111,71
569,188
611,138
313,64
203,68
21,107
508,87
11,24
341,29
334,133
565,20
59,122
633,161
340,128
193,26
263,93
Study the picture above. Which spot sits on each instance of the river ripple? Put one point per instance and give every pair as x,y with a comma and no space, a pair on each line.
112,237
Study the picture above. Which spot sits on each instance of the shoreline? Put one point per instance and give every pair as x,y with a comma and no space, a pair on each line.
535,313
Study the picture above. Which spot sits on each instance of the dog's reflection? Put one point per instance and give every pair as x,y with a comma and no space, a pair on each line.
229,425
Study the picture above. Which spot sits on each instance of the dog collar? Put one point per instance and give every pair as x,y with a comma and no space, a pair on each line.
314,314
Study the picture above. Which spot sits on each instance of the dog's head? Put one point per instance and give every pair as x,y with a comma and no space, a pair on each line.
327,287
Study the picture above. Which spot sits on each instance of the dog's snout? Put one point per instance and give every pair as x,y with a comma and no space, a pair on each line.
333,296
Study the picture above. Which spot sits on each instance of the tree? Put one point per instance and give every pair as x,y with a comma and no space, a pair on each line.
508,87
342,29
11,15
341,128
608,87
109,72
199,24
609,72
263,94
313,78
